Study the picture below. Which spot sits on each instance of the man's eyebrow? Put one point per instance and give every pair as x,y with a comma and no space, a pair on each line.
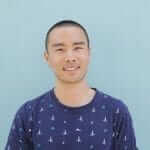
61,44
57,44
79,43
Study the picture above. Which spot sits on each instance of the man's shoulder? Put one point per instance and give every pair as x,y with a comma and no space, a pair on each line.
117,105
33,104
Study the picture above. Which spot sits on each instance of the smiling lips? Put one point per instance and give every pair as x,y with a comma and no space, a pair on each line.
70,68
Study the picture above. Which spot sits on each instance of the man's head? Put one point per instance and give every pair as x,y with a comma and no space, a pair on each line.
66,23
67,51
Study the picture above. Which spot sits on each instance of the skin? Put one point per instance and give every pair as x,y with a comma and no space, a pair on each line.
68,47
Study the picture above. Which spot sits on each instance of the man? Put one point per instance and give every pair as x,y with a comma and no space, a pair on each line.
72,115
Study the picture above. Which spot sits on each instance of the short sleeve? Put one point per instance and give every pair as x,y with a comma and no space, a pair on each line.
124,135
20,133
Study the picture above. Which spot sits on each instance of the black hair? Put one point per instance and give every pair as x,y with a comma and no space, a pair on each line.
65,23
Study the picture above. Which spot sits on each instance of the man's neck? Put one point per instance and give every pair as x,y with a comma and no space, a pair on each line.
77,94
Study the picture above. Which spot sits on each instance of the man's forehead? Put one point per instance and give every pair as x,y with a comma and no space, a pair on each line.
64,30
58,36
63,44
63,27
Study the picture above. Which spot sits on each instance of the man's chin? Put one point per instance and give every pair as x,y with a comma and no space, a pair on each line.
72,81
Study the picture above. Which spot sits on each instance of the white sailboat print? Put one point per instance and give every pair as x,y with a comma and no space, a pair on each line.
104,142
65,132
53,118
77,129
42,109
93,109
79,139
125,138
50,139
81,118
92,133
39,132
105,119
117,111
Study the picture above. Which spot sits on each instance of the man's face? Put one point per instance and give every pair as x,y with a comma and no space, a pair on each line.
68,54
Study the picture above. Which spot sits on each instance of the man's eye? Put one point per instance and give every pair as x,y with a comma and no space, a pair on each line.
78,48
59,50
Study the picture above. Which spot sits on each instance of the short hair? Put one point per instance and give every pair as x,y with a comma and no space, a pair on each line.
64,23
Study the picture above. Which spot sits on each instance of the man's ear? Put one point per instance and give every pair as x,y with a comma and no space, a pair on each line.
46,56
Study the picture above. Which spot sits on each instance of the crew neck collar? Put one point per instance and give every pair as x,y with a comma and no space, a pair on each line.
72,108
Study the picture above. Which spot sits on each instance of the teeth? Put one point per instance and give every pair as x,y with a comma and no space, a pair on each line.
70,69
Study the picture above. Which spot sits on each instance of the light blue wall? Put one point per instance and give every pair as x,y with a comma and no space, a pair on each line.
120,36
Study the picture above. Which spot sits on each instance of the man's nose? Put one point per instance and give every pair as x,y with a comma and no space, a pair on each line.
70,57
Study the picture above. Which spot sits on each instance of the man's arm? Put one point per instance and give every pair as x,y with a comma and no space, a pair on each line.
19,135
124,138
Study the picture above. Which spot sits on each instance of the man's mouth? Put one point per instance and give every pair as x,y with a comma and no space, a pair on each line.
70,68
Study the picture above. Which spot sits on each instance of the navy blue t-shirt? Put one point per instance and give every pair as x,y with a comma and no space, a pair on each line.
46,124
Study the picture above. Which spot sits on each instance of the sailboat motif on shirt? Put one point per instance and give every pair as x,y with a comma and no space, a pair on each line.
113,134
81,118
65,132
20,129
125,138
39,132
105,119
53,118
30,118
91,146
50,105
38,145
8,148
50,140
65,121
42,109
52,128
13,127
92,133
91,122
104,142
117,111
39,122
103,107
79,139
20,141
29,130
77,129
93,109
105,130
30,107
